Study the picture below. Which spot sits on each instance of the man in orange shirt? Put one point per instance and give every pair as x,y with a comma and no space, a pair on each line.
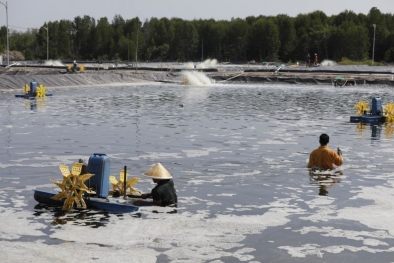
323,158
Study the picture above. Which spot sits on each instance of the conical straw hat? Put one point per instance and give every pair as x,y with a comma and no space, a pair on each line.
158,171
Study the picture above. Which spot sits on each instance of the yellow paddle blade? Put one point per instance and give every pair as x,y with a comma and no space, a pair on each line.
113,180
122,176
26,89
389,112
361,107
84,177
119,185
64,169
76,168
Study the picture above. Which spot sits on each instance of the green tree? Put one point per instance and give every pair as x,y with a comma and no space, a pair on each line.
29,54
354,41
266,38
63,40
287,37
104,39
237,39
83,36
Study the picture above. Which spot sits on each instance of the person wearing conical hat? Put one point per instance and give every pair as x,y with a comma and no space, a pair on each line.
163,194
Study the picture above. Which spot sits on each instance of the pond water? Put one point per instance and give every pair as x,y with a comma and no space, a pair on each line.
238,155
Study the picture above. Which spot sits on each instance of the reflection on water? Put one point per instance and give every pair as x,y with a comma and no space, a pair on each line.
238,155
375,129
35,103
325,179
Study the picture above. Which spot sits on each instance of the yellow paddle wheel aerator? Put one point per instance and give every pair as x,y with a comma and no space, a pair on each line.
361,107
119,185
389,112
72,187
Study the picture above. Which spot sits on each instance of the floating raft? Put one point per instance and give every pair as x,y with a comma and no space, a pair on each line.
109,204
367,118
30,96
342,81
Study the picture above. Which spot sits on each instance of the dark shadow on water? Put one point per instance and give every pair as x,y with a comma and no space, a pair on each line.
89,218
175,211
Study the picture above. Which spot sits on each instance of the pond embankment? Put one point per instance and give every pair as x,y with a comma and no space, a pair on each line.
16,77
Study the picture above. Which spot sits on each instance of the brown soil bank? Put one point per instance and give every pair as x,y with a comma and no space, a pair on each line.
16,77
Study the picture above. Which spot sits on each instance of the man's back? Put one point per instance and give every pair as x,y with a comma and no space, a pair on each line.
324,158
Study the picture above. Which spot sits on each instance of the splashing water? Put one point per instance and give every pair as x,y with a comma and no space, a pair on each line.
208,63
53,63
327,62
195,78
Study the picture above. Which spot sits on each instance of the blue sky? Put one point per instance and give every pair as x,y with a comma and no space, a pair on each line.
34,13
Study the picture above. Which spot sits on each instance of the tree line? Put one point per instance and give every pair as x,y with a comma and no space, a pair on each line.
263,38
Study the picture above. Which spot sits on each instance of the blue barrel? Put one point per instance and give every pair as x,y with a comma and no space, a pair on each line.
33,88
99,165
377,106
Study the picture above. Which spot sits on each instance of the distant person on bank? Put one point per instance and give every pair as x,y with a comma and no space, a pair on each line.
323,158
163,194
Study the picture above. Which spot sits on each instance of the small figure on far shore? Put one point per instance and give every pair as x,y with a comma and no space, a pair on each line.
316,60
74,65
308,60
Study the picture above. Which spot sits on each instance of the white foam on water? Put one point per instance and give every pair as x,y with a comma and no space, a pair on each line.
208,63
254,172
199,153
193,237
196,78
15,223
200,182
226,194
38,251
372,238
156,156
53,63
275,142
328,63
314,249
229,164
377,215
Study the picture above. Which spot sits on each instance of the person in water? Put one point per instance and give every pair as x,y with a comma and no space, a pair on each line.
163,194
323,158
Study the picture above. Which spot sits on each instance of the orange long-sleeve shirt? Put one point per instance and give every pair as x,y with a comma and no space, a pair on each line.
324,158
